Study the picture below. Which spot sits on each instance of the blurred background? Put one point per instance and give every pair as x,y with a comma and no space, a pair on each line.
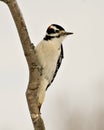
75,100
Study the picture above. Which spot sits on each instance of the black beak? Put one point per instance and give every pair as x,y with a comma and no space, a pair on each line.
69,33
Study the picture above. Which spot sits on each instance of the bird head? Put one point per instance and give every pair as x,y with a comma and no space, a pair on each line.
56,31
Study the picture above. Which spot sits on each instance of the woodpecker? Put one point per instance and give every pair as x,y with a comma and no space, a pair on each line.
50,54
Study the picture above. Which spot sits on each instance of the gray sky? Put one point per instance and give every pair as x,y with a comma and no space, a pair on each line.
75,101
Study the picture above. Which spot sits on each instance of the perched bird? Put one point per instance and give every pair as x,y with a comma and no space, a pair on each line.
50,54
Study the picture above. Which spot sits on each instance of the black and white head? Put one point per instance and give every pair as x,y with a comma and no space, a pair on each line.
55,31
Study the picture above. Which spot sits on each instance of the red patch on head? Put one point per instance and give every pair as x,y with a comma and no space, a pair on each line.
49,27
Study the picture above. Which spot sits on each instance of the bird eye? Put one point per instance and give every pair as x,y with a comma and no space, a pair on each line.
57,31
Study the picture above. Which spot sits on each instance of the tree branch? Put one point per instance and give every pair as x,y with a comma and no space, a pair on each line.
35,69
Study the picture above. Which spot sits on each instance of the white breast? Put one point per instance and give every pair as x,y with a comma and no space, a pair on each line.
48,53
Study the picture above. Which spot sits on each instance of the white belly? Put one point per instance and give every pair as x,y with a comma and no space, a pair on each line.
48,55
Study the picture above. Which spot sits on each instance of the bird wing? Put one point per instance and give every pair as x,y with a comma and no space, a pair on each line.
59,61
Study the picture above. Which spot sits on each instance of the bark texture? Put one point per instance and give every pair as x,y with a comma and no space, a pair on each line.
33,64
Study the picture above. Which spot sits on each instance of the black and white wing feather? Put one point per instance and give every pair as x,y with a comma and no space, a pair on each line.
58,65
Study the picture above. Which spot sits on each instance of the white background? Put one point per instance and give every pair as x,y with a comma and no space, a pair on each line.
75,100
